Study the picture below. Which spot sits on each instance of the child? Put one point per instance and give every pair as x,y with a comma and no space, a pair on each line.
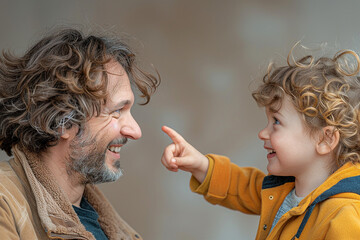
313,143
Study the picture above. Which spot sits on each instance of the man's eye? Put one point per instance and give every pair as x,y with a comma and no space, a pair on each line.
116,113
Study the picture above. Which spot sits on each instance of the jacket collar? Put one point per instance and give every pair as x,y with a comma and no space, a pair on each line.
272,181
55,210
345,180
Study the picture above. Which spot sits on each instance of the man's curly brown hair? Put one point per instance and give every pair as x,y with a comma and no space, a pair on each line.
325,91
60,82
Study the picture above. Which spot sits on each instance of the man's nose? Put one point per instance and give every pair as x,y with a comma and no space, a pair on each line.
131,128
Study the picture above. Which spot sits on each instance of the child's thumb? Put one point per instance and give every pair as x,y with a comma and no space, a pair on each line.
181,161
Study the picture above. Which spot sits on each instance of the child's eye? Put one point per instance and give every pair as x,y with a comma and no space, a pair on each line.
276,121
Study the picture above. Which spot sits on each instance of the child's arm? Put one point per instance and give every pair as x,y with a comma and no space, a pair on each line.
232,186
181,155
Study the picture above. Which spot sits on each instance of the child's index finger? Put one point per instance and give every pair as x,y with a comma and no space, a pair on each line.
175,137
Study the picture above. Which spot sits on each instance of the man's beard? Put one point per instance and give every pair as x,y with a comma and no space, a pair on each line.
87,159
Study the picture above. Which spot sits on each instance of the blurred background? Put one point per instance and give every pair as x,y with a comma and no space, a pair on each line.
209,54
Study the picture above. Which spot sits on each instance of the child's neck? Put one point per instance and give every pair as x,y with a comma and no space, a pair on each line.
304,188
308,182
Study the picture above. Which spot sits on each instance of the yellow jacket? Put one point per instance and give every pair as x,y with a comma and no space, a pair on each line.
331,211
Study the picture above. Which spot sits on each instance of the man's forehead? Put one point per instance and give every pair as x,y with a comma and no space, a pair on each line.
119,88
114,68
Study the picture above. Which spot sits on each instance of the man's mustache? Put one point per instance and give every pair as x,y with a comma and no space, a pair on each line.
117,141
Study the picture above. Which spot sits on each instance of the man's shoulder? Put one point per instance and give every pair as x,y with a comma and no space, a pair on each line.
9,180
13,193
6,170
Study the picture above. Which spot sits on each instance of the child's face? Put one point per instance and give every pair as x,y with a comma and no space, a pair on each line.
291,149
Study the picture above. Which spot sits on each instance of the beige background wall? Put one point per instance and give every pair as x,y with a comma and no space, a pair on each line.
208,53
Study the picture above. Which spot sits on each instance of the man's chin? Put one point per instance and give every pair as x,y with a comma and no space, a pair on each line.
105,175
109,176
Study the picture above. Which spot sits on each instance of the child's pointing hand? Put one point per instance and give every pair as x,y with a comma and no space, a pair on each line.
181,155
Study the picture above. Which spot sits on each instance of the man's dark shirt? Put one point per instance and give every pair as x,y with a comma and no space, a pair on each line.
89,218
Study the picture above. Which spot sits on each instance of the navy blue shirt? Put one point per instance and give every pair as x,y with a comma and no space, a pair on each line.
89,218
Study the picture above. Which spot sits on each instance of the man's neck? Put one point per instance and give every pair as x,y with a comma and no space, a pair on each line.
56,161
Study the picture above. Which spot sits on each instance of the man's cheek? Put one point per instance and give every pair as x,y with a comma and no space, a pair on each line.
114,126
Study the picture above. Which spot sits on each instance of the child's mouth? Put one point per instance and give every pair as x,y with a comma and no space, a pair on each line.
271,153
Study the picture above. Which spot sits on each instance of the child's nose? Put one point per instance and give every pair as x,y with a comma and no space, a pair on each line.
264,134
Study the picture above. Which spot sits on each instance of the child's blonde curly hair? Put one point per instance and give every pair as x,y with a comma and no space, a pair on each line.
325,91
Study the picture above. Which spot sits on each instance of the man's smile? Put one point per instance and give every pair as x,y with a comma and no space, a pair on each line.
115,148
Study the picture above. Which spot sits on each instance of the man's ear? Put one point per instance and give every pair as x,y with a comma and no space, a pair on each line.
65,135
328,141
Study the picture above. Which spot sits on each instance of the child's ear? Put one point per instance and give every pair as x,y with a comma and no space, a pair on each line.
329,140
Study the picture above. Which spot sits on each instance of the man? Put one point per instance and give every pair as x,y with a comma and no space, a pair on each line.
65,114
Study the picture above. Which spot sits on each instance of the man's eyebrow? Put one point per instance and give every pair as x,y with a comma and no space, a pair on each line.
122,103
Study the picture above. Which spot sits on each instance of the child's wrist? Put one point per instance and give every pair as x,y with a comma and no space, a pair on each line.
205,165
200,173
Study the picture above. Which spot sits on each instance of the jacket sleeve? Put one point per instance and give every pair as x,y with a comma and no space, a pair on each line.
231,186
345,224
8,229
